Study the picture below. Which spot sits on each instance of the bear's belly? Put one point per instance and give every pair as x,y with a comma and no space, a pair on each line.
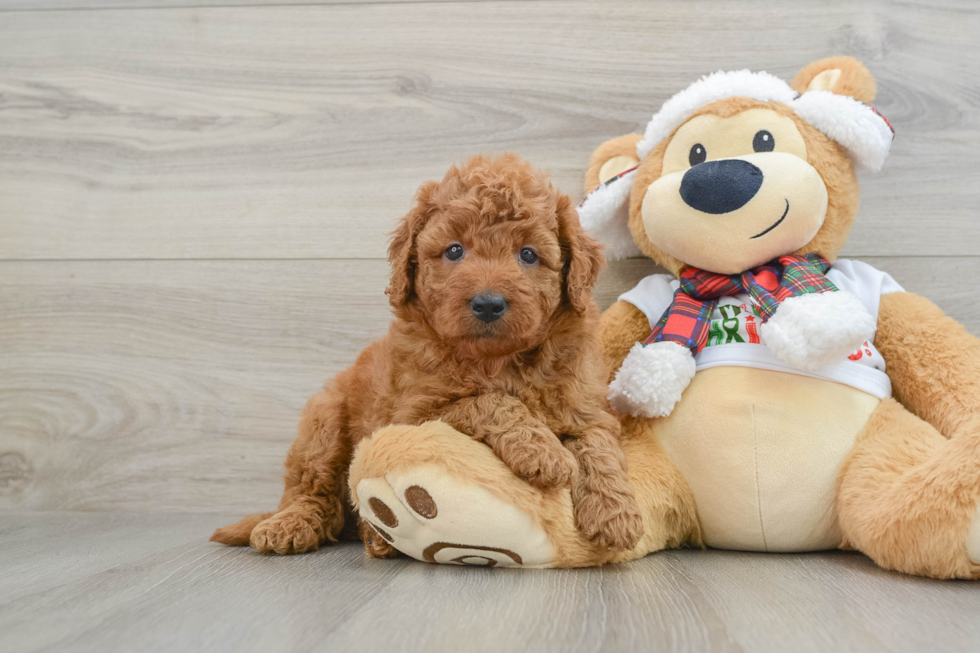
761,451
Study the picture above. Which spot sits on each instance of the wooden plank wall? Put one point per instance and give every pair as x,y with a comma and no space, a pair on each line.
194,198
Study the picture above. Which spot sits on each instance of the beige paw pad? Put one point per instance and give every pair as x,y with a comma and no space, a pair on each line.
434,517
973,538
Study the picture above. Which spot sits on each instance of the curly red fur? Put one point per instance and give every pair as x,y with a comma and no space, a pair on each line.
522,384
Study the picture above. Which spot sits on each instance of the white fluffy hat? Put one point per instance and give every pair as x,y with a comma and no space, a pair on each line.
857,127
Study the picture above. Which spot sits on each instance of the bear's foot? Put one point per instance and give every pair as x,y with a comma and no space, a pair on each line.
432,516
908,496
437,495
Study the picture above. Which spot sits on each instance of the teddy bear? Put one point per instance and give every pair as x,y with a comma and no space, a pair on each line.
773,397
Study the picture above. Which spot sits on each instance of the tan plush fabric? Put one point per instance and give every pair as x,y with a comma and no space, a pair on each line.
616,166
621,146
934,364
908,496
761,451
852,78
623,325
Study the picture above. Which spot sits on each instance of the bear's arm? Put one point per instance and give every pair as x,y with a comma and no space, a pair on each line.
622,325
933,363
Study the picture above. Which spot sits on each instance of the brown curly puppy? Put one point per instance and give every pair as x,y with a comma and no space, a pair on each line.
496,333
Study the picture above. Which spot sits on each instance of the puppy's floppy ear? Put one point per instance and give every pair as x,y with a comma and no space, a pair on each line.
611,158
839,75
582,254
402,254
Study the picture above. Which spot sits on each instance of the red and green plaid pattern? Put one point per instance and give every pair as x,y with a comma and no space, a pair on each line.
687,320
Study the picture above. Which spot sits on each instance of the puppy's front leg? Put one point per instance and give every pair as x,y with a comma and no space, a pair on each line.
523,442
533,452
605,508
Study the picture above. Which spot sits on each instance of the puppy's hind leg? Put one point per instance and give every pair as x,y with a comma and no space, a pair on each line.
238,534
312,507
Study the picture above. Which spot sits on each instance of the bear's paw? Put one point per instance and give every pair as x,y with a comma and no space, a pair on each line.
651,379
816,329
433,516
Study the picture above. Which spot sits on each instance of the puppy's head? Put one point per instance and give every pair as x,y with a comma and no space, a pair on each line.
490,256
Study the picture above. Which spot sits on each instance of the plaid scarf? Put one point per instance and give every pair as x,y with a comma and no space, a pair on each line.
687,320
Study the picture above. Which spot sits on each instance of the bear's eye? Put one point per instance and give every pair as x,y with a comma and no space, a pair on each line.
697,155
529,256
454,252
763,141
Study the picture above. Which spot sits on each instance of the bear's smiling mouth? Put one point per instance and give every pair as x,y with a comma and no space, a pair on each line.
774,225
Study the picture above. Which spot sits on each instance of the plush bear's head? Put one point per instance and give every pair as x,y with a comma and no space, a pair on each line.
739,169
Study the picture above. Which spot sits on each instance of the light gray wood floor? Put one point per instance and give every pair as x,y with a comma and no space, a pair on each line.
151,583
194,197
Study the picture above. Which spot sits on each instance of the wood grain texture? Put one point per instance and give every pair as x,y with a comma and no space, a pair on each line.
302,131
88,5
174,386
152,583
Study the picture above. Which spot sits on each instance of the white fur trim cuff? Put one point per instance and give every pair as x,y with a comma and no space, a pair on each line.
651,379
605,215
816,329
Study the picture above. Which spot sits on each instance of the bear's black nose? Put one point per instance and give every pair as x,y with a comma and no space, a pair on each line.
720,186
488,306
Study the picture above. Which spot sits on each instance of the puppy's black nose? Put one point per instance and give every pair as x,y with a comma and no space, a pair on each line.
488,306
720,186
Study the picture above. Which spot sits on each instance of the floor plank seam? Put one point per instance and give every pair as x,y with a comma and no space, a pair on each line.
366,3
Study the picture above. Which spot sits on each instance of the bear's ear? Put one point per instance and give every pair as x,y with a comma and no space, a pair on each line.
839,75
610,159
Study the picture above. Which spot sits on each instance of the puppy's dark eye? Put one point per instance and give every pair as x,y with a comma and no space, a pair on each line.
528,255
697,155
763,141
454,252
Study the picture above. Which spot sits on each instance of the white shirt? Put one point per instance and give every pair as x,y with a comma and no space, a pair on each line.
734,337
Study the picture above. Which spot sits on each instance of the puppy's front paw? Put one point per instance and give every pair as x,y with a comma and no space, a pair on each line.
376,545
611,520
542,462
285,532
